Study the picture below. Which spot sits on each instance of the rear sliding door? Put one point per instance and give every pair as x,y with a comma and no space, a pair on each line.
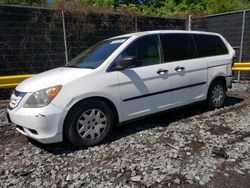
187,73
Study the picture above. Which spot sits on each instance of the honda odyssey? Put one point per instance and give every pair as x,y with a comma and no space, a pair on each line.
120,79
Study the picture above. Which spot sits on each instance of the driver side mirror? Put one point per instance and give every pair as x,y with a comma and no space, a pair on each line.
124,62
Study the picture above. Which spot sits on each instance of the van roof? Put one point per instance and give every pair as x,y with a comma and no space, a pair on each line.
164,31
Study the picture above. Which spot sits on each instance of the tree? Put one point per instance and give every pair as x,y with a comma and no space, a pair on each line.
218,6
151,7
26,2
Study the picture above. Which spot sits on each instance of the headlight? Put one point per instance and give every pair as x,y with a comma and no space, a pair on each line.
42,97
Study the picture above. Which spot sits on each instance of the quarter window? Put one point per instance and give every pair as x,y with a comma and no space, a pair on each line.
146,51
209,45
178,47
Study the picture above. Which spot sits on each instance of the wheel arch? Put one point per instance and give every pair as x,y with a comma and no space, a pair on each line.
218,78
106,100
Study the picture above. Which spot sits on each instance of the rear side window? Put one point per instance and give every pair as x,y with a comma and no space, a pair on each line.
178,47
209,45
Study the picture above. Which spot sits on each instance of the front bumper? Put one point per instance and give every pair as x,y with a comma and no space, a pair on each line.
41,124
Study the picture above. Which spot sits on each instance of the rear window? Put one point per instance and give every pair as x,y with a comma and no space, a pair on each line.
178,47
209,45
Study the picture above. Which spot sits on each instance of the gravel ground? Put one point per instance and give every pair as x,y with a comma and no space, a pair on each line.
173,149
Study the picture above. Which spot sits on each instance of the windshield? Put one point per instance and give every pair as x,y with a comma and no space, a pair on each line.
95,55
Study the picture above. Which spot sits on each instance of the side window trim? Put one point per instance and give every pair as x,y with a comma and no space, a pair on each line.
195,45
162,59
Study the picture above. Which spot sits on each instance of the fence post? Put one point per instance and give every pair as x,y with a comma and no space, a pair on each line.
189,24
64,38
136,24
242,39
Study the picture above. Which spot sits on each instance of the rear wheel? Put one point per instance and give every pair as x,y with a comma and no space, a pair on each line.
216,95
90,123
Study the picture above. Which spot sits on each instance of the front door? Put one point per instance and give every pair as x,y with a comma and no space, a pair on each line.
143,87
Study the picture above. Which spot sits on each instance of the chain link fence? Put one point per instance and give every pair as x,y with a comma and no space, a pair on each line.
33,40
83,30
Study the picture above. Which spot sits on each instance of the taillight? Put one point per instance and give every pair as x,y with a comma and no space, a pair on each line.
233,61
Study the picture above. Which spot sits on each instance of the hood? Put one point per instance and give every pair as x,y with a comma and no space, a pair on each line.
58,76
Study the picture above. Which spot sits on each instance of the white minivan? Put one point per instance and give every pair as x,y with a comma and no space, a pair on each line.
121,79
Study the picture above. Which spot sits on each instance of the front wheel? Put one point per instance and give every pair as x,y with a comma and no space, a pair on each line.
216,95
89,124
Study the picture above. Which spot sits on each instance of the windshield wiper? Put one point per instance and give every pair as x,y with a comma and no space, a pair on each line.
72,66
84,67
88,67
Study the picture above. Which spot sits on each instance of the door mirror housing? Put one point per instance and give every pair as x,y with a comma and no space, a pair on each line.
124,62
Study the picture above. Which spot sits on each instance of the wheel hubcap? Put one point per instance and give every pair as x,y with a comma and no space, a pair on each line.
92,124
217,95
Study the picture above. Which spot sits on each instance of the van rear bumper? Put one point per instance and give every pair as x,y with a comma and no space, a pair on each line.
229,80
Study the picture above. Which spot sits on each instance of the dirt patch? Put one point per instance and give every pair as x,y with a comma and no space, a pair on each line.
226,177
196,146
219,130
239,137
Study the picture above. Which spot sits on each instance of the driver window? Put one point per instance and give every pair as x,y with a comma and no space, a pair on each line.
146,51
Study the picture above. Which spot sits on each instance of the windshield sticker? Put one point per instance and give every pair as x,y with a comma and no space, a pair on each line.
117,41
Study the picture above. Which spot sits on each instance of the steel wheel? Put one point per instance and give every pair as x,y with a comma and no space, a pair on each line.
217,95
91,124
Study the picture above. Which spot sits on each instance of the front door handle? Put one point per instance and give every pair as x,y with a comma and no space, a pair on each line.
178,68
161,71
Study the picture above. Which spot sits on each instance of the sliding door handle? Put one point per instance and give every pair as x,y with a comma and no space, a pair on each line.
178,68
161,71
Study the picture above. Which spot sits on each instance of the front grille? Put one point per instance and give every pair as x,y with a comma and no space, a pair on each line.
15,99
20,128
33,131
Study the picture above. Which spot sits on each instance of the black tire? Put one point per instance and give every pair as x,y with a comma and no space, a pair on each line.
78,114
216,95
